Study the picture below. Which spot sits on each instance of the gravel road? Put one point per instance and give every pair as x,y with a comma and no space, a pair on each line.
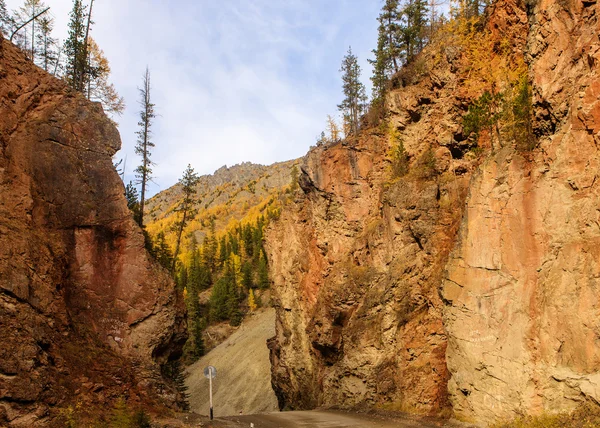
329,419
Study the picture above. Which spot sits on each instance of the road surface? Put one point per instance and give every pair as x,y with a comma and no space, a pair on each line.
329,419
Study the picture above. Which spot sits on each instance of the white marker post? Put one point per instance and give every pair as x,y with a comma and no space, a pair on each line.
210,372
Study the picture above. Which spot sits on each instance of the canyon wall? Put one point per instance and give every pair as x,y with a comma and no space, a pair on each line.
522,285
86,316
469,284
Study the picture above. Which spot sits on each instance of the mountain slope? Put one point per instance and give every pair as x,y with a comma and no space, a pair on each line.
240,192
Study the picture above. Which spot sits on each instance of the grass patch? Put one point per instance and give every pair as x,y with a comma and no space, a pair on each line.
586,416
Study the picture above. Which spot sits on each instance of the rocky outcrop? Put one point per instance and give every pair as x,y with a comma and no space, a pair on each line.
472,282
85,315
357,260
521,288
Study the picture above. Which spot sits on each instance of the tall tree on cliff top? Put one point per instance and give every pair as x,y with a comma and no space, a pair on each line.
75,49
5,19
98,87
354,92
188,182
144,141
46,45
413,27
29,10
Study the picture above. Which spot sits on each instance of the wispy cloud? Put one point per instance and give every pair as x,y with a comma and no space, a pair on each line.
233,80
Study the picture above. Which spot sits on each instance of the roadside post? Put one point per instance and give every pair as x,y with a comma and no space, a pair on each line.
210,373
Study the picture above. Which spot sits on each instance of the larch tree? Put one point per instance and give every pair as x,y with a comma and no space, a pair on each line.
354,92
333,129
98,87
46,45
434,18
29,13
188,182
5,19
144,143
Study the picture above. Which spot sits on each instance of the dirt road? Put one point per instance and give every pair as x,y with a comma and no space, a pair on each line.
328,419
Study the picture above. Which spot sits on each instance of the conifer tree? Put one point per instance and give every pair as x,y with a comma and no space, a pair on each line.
75,48
28,12
218,300
333,129
133,201
5,19
413,28
144,143
263,272
251,301
46,44
209,247
186,206
354,92
162,252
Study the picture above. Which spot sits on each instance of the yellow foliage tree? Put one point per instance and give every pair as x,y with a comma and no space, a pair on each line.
99,88
251,301
333,129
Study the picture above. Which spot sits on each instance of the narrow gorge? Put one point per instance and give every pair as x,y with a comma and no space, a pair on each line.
444,262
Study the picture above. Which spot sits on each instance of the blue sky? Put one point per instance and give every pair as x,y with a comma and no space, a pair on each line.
233,80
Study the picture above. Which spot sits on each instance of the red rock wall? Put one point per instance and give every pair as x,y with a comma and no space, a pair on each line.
80,300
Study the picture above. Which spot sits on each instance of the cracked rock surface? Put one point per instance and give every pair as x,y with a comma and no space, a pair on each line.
472,288
85,314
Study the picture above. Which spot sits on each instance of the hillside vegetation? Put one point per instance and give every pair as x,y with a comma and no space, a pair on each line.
222,267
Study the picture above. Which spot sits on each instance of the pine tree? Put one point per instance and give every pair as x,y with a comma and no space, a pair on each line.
354,92
75,48
133,201
186,206
144,143
413,28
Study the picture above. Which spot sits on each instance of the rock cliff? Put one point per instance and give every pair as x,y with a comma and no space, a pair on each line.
85,315
521,288
471,283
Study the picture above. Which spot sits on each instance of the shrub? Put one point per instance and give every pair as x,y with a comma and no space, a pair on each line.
400,159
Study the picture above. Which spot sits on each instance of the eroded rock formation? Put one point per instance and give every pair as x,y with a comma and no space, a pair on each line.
472,282
522,287
85,315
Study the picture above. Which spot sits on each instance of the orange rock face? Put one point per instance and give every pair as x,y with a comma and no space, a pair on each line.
472,286
522,283
85,315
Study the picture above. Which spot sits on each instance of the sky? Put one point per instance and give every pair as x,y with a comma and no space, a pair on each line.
232,80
